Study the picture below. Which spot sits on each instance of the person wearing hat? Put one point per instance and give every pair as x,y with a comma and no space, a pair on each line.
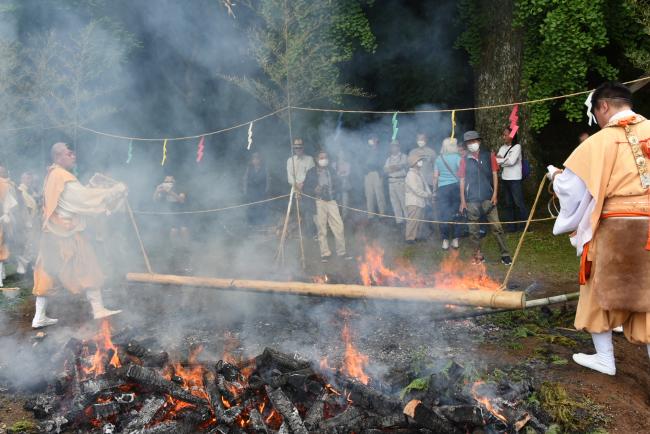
297,166
395,169
479,182
417,194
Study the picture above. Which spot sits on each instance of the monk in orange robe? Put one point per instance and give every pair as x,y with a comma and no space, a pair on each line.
7,204
66,257
604,193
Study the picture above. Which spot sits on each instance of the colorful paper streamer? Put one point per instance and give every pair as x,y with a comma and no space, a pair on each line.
250,136
590,115
453,123
395,127
199,149
164,158
514,119
129,155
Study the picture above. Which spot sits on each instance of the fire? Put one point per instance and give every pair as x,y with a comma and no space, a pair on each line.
486,402
453,273
104,347
353,362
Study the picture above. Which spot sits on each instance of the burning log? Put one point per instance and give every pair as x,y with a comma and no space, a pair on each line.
147,413
256,422
428,418
369,398
462,414
476,297
95,386
286,409
271,358
148,357
351,420
168,427
105,410
42,406
149,377
316,412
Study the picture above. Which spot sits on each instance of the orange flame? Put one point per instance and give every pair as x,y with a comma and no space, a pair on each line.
353,362
453,273
486,402
104,345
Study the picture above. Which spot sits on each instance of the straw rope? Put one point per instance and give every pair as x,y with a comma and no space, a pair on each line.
204,211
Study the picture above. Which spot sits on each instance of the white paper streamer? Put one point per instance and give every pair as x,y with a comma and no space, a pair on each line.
590,116
250,136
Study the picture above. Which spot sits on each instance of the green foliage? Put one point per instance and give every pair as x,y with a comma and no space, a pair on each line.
571,414
470,39
417,384
24,426
299,47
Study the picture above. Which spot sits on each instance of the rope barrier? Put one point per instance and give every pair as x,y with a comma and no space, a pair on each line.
434,221
211,133
204,211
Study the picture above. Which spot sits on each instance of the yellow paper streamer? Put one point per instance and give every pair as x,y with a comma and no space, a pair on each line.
162,163
453,123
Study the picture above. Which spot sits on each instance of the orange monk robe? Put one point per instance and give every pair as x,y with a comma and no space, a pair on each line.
606,164
66,256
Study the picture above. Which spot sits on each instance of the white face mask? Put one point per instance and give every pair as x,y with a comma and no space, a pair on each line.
420,163
371,142
473,147
421,143
324,162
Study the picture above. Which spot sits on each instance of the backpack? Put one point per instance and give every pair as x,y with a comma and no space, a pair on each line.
525,166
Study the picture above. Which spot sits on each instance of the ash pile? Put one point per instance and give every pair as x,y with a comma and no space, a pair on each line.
117,384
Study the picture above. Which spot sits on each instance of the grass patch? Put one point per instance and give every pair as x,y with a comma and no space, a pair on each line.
571,414
24,426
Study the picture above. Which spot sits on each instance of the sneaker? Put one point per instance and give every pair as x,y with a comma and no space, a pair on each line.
506,260
325,259
478,259
445,244
454,243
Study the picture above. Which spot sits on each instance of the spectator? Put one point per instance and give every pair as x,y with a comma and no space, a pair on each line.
509,157
256,188
446,181
373,184
417,195
321,183
30,222
171,200
297,166
429,155
395,168
479,183
343,169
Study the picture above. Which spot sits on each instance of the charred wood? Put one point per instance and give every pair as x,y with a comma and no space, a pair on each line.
42,406
256,422
286,408
350,420
284,428
95,386
147,413
168,427
316,412
462,414
148,357
195,416
428,418
229,371
149,377
369,398
271,358
105,410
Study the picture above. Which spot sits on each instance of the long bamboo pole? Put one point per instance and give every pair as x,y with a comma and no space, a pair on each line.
476,297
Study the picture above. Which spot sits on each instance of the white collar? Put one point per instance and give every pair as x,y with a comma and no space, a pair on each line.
621,115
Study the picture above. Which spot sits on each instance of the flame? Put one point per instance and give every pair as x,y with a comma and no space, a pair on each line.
104,346
485,401
453,273
353,361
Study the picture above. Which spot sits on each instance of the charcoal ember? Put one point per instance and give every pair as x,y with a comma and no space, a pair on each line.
389,421
256,422
95,386
125,398
105,410
177,379
149,377
108,428
195,416
350,420
286,408
42,406
462,414
147,413
57,425
314,387
271,358
296,379
229,371
220,429
427,417
229,415
284,429
167,427
255,382
148,357
316,412
371,399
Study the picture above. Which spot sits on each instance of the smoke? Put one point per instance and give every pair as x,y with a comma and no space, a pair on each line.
167,57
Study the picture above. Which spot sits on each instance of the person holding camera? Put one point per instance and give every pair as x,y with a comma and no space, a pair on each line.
447,184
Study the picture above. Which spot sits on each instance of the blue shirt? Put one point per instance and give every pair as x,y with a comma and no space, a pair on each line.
447,177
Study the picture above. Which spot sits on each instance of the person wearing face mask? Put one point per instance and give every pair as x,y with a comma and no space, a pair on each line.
395,169
510,157
604,194
322,184
478,174
429,155
372,181
447,184
297,166
418,193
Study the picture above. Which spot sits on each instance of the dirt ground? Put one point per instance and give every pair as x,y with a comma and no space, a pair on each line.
395,336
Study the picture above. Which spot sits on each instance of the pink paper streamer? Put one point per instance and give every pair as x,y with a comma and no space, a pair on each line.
514,118
199,149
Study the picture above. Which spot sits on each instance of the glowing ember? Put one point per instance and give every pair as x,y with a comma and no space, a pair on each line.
483,400
453,273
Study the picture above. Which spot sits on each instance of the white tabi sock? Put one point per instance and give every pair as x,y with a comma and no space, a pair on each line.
94,296
603,361
40,319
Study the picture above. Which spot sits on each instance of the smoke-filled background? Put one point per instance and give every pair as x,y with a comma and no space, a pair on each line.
165,69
